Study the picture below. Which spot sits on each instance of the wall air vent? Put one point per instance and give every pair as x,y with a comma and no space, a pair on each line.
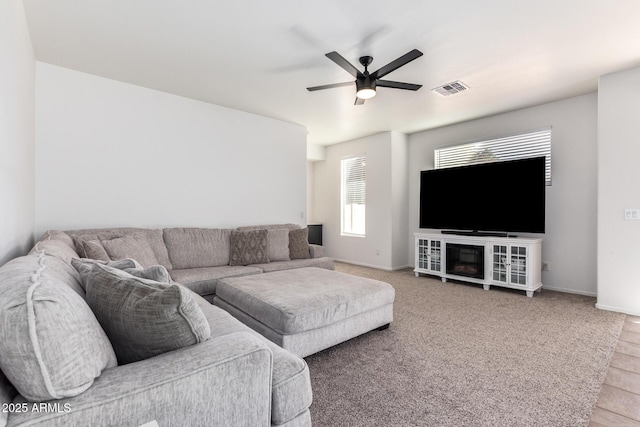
451,88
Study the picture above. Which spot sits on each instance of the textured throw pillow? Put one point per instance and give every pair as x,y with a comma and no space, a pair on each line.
141,317
299,243
157,273
85,265
248,247
51,345
79,239
134,246
93,249
278,245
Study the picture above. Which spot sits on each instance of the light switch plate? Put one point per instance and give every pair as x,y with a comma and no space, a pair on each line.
632,214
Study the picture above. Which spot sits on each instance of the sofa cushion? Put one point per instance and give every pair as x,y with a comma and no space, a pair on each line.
51,345
299,244
291,384
203,281
278,244
155,237
287,226
248,247
197,247
143,318
134,246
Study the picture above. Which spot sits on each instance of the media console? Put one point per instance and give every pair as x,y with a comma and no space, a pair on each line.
511,262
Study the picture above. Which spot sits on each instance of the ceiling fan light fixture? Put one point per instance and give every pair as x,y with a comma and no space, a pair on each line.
366,88
366,93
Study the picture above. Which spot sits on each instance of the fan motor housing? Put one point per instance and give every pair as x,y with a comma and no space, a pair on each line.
366,83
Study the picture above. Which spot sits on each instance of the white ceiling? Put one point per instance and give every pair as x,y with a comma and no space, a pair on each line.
259,56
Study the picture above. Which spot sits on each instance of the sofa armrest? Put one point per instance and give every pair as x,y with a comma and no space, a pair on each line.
222,382
316,251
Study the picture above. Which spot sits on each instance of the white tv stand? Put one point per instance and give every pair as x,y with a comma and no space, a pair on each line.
510,262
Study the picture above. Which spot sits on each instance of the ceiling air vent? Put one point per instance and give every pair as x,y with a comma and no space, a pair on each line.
451,88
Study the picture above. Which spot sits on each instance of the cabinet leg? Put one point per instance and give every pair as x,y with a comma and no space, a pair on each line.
530,294
417,274
486,287
444,280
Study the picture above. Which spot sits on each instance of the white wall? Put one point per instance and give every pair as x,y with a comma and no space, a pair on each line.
17,104
399,199
569,244
618,189
310,199
114,154
384,207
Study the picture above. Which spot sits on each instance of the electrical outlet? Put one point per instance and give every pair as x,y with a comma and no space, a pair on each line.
377,251
632,214
545,266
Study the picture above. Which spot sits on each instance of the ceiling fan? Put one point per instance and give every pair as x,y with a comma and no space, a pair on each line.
366,82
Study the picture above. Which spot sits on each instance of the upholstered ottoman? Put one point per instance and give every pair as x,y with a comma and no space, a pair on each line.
307,309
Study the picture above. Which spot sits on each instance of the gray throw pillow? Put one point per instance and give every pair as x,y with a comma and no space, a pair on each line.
248,247
156,273
79,239
94,250
299,244
84,266
134,246
144,318
278,244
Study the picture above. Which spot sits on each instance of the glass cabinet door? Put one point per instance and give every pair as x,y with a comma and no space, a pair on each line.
519,265
435,252
423,253
499,263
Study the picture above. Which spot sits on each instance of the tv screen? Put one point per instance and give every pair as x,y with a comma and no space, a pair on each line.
490,197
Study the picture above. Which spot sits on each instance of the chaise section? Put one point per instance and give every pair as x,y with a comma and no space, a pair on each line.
236,377
291,386
308,309
223,381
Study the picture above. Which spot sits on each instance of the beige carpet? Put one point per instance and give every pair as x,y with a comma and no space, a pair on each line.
457,355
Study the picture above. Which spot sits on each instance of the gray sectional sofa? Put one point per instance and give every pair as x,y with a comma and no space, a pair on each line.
199,258
57,367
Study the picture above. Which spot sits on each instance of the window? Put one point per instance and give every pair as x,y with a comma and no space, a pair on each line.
521,146
353,196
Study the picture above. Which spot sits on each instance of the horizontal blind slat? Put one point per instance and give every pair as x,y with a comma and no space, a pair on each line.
531,144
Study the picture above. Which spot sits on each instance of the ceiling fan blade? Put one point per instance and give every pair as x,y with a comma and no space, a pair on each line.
398,85
359,101
394,65
346,65
331,86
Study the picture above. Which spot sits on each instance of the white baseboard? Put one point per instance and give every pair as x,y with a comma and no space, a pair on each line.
551,288
570,291
618,309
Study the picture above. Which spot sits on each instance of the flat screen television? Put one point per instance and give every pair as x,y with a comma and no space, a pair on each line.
499,197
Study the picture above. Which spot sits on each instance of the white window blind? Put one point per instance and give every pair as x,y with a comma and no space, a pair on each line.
531,144
353,196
